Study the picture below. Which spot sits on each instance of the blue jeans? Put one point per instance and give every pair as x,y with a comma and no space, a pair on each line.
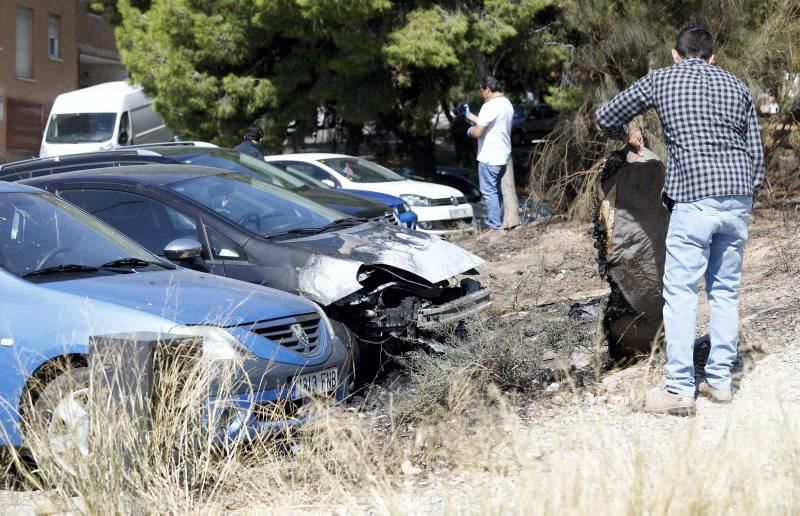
490,177
705,237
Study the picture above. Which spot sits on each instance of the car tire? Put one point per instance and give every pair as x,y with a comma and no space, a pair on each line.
365,358
62,403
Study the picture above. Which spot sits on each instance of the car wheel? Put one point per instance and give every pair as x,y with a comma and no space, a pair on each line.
58,423
365,358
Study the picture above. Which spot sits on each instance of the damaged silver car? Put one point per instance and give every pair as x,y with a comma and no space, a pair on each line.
383,283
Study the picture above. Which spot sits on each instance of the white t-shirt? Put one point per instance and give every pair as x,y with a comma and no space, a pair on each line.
494,146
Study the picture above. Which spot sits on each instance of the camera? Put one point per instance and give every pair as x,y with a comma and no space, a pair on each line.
460,109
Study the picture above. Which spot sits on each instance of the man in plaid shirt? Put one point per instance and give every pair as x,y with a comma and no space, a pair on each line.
715,165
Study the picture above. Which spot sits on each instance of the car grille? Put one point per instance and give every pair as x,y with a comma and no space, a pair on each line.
287,332
448,201
391,218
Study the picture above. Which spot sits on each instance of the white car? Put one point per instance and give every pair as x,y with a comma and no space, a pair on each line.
442,210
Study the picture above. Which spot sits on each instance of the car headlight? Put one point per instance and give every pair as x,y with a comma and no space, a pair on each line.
218,344
325,321
416,200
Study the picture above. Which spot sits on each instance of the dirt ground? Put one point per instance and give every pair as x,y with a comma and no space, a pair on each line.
553,262
547,269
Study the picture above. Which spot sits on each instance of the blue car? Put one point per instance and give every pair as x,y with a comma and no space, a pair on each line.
68,277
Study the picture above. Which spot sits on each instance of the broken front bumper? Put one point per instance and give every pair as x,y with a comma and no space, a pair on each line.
456,310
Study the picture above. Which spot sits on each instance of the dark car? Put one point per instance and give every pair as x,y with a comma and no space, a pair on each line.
540,120
382,282
345,202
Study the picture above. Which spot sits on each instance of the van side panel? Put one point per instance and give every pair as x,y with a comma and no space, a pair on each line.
148,126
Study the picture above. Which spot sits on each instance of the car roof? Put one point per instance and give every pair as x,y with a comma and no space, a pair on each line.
36,163
17,188
307,156
158,174
151,149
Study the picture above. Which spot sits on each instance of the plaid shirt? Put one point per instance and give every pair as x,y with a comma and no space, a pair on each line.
710,124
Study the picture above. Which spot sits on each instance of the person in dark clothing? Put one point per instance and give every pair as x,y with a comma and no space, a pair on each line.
715,166
250,140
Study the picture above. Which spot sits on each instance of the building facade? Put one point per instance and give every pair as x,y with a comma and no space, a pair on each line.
47,47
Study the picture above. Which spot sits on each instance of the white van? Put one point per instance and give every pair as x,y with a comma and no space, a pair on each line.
101,117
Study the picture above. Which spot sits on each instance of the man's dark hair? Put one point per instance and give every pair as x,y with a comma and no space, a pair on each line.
695,41
490,82
253,133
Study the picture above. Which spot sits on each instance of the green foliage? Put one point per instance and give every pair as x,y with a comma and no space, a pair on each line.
568,98
430,38
613,43
218,66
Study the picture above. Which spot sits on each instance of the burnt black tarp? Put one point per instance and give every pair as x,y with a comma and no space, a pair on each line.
632,256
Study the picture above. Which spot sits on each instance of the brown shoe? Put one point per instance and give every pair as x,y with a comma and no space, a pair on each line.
715,395
664,402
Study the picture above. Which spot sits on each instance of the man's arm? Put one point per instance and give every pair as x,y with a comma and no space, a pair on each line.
614,116
754,147
478,130
489,112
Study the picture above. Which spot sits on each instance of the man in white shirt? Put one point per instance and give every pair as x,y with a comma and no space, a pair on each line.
493,132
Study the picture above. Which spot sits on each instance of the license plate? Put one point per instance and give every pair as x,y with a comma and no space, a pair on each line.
318,382
458,213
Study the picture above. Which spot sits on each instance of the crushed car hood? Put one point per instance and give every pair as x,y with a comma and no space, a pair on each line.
333,259
188,297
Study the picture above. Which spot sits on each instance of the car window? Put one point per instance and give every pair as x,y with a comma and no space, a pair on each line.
223,248
151,223
318,173
40,230
125,128
254,205
361,171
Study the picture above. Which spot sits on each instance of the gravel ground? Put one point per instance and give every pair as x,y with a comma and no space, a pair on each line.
601,417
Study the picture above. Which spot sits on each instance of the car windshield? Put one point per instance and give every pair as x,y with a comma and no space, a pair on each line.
254,205
239,162
40,231
361,171
81,127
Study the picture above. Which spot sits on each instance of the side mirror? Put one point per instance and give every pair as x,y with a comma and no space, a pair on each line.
122,139
183,249
329,183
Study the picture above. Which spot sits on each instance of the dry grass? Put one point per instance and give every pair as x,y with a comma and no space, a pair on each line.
453,434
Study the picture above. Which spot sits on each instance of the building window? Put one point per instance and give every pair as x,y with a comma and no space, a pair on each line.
53,37
24,43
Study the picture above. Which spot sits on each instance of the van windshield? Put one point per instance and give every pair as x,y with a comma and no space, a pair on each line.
80,127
